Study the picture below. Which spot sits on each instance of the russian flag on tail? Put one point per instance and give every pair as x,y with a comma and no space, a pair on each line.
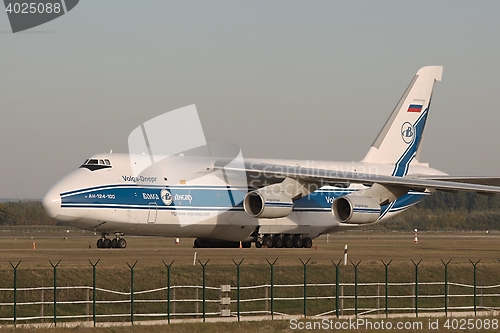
415,108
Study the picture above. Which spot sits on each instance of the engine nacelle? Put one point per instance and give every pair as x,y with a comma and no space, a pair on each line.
268,202
356,209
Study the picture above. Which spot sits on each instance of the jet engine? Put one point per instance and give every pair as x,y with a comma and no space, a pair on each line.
356,209
268,202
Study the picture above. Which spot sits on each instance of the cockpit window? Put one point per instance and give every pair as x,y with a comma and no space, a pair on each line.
96,164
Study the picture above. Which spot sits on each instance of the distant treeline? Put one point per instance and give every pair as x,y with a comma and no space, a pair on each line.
441,211
450,211
24,213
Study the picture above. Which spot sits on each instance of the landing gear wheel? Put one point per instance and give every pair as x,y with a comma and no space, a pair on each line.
307,243
246,245
258,244
107,243
197,243
100,243
277,242
114,243
287,242
297,242
121,243
267,241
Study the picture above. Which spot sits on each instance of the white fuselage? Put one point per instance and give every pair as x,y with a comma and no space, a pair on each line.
185,197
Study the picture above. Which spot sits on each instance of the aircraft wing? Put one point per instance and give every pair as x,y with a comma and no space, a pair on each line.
492,181
275,173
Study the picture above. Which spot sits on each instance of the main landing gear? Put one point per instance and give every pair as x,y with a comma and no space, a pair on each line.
116,243
283,241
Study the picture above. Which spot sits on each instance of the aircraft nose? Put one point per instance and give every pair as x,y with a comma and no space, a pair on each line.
52,203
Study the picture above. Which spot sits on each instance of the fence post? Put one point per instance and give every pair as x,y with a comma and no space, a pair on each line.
272,286
168,288
94,289
204,286
238,286
342,300
386,287
337,282
55,290
196,303
173,297
131,290
446,286
42,301
475,283
15,290
87,302
266,296
355,286
378,298
305,285
416,285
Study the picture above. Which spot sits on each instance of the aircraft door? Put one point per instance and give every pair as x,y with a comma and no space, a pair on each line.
152,212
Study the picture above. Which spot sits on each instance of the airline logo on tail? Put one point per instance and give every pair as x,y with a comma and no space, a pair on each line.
407,132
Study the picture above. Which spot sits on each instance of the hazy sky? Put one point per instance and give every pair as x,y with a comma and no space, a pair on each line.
286,79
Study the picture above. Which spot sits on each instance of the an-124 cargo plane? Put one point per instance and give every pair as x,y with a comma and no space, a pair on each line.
278,203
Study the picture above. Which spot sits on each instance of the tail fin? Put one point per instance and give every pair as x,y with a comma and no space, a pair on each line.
399,140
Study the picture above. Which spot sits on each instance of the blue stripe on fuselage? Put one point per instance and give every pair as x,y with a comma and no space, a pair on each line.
205,198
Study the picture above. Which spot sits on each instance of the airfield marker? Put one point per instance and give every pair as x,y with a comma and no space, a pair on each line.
415,240
345,255
194,259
